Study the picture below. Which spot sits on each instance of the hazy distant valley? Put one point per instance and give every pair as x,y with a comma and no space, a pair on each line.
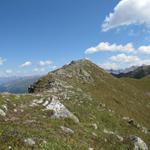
16,84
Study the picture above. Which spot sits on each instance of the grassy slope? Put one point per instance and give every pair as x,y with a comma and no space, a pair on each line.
142,84
118,95
18,126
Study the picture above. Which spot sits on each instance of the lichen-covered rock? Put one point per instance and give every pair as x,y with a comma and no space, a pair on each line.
139,144
60,111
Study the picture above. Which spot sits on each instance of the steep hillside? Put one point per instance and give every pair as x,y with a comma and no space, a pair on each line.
77,107
137,73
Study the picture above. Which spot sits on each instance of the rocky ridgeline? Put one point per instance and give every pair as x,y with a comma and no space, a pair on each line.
64,78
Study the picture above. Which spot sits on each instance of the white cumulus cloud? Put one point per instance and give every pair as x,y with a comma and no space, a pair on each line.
105,46
44,63
128,60
26,64
144,49
128,12
125,58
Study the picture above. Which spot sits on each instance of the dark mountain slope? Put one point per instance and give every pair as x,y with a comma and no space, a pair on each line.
138,73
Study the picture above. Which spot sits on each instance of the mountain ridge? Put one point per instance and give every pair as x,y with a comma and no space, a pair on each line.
79,106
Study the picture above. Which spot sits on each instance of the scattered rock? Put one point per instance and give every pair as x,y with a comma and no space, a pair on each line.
67,130
15,110
90,148
21,110
40,101
132,122
46,103
4,107
33,105
108,132
105,140
44,142
94,125
30,121
2,113
94,134
102,105
120,138
145,130
29,142
14,105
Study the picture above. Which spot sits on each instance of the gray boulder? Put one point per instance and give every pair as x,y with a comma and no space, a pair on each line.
139,144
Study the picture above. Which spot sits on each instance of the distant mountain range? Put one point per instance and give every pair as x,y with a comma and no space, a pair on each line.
133,72
119,71
16,84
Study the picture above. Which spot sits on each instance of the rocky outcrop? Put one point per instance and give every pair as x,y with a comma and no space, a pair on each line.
139,144
60,111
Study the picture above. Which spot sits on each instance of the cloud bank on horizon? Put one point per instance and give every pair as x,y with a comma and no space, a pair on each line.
39,68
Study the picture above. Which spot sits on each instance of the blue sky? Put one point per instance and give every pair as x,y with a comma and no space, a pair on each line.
37,36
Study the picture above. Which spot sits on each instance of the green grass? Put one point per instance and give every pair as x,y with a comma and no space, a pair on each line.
122,98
